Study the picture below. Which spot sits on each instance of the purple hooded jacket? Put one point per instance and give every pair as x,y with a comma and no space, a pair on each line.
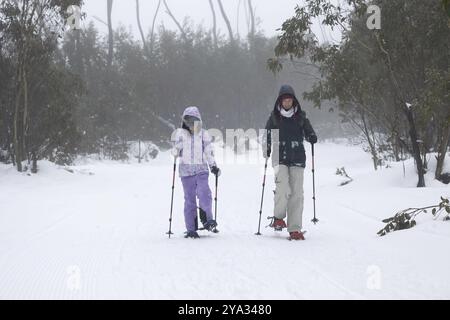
194,149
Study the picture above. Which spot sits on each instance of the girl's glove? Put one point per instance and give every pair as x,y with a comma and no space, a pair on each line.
215,171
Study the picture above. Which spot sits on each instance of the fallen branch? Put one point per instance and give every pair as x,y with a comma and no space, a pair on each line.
342,172
405,219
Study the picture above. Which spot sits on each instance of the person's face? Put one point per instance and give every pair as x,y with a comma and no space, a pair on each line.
193,123
287,103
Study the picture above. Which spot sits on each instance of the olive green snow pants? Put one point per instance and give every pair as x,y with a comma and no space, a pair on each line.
289,195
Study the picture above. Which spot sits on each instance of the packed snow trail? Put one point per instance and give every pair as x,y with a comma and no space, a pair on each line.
102,235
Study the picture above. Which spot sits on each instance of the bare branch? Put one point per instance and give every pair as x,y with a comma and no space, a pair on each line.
252,18
152,33
140,26
227,21
214,22
110,33
183,34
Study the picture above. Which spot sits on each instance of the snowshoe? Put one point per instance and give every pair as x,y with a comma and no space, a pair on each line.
297,235
192,234
277,224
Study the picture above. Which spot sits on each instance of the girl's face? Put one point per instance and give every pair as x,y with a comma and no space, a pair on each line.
193,123
287,103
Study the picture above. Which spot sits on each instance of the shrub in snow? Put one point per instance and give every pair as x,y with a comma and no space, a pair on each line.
114,148
61,157
143,151
4,156
445,178
405,219
153,153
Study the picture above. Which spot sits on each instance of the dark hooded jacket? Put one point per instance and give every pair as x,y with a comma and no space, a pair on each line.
292,131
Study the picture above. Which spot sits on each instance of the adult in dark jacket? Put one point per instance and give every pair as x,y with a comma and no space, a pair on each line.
287,128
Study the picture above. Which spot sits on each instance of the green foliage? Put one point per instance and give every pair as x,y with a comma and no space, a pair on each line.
405,219
39,96
372,74
446,4
80,104
142,97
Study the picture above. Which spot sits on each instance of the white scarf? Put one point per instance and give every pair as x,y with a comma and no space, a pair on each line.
287,113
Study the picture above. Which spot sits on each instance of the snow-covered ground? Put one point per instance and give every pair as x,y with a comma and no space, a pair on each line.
99,232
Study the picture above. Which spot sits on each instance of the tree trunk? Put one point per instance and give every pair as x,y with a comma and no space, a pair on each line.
224,15
237,19
144,43
79,65
139,151
394,145
11,154
34,168
408,112
416,147
25,114
18,143
372,146
18,111
18,125
442,150
110,33
183,34
428,142
252,18
153,27
251,36
213,11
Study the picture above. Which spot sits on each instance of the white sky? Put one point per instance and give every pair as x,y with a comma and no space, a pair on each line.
272,14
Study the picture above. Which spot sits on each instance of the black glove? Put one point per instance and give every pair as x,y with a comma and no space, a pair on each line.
215,171
312,139
266,154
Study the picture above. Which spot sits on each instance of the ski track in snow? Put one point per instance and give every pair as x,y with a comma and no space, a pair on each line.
111,228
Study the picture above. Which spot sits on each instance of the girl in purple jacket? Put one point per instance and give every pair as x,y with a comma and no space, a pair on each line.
192,144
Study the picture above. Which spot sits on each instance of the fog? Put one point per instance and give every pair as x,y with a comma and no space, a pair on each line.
270,15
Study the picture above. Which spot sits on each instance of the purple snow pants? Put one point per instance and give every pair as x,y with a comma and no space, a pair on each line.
196,187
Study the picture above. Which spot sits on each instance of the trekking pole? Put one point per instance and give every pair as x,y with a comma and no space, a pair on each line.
314,220
262,198
171,201
215,202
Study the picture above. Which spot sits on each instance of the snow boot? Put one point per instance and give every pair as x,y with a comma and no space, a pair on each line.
210,225
202,215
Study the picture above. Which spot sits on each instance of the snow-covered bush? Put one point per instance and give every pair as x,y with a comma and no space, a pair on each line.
114,148
445,178
61,158
145,150
4,156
